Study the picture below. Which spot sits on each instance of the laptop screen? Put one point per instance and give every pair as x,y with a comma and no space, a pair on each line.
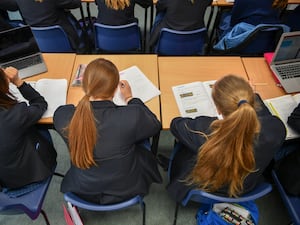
17,43
288,49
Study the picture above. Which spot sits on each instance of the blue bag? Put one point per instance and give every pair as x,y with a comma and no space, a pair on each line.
207,216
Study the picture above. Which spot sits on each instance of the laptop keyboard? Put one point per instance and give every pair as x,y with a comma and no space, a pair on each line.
23,63
289,71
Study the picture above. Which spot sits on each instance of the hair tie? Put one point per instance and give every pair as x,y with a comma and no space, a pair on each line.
241,102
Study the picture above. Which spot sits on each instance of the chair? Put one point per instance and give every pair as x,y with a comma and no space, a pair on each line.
52,39
30,203
196,195
172,42
292,203
118,39
261,40
80,203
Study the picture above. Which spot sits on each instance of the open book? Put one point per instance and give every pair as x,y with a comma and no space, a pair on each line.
53,90
141,86
282,107
194,99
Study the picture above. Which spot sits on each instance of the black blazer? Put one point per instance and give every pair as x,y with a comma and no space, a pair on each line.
179,15
49,13
110,16
124,169
271,138
4,6
25,156
294,119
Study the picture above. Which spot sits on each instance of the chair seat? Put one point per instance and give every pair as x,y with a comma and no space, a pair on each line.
30,203
292,203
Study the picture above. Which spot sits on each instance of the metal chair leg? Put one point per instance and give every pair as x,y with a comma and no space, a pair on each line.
143,206
176,212
45,217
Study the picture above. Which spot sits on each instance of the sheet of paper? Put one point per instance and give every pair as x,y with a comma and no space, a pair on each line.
193,100
141,86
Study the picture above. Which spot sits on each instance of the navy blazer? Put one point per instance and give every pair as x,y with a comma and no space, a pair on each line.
124,168
110,16
254,12
294,119
179,15
25,156
270,139
50,12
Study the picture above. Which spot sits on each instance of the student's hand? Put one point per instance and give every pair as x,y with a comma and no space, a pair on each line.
13,76
125,90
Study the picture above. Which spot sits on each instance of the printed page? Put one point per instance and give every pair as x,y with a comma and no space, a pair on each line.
141,86
53,90
282,107
193,100
55,93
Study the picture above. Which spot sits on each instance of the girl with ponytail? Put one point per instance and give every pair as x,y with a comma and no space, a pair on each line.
108,163
226,156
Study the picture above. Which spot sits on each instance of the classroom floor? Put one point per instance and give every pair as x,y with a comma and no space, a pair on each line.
159,206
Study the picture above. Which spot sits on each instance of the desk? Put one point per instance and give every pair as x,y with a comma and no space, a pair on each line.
147,64
179,70
259,72
59,66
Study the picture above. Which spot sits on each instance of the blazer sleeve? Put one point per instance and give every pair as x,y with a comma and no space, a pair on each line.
68,4
36,108
294,119
186,130
144,3
147,123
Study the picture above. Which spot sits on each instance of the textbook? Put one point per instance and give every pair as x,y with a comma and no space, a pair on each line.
141,86
53,90
194,99
282,107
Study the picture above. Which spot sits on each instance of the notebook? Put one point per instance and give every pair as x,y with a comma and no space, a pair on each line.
18,48
286,61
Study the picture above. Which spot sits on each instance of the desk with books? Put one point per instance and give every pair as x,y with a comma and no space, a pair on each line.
59,66
146,63
181,70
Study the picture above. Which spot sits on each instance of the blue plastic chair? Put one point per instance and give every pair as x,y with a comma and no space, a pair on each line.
202,197
80,203
30,203
172,42
118,39
52,39
292,203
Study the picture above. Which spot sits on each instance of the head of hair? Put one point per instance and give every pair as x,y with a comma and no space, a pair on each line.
227,157
100,80
280,4
117,4
7,100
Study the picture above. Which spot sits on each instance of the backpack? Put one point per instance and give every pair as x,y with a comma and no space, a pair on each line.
208,216
288,172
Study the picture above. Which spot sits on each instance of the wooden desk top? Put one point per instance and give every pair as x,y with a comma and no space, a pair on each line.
224,3
180,70
147,64
259,73
59,66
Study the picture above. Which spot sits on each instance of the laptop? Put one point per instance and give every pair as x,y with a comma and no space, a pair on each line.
18,48
286,61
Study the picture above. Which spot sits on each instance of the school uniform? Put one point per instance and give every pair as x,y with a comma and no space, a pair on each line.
25,155
182,15
269,140
124,168
111,16
44,13
294,119
254,12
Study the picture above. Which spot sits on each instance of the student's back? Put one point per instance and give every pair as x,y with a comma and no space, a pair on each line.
49,13
119,16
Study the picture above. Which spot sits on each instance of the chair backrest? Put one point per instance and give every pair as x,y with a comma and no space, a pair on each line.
292,203
172,42
118,39
78,202
261,40
30,203
52,39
